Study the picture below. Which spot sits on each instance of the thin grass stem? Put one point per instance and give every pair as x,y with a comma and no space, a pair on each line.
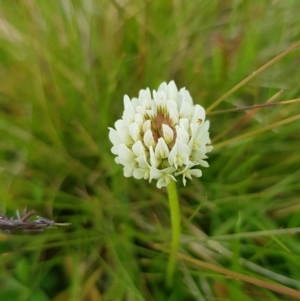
261,130
254,74
238,276
243,119
262,105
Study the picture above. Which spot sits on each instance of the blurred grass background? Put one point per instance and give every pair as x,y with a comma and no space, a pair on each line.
64,68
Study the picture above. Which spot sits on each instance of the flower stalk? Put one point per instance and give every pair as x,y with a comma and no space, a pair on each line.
176,230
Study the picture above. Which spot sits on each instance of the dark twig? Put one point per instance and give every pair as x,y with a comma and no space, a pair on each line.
23,223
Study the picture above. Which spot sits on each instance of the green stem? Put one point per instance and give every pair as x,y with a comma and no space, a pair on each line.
176,229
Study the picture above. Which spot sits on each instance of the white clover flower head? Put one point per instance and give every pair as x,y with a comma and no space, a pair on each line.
161,136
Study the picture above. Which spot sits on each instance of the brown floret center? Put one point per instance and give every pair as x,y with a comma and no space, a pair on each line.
156,127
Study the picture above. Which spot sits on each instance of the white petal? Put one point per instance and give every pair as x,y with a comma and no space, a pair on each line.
179,154
183,150
186,96
150,113
126,156
163,87
115,139
123,132
193,130
172,90
134,131
135,103
172,159
198,114
128,171
205,126
185,110
184,123
174,116
143,96
165,180
201,139
143,171
142,162
188,172
195,172
140,173
160,99
154,161
168,133
164,176
148,138
171,104
138,118
203,163
209,148
198,155
161,149
155,173
148,96
127,102
138,149
146,125
182,134
128,116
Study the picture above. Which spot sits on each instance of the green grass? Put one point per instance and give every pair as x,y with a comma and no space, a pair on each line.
64,68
